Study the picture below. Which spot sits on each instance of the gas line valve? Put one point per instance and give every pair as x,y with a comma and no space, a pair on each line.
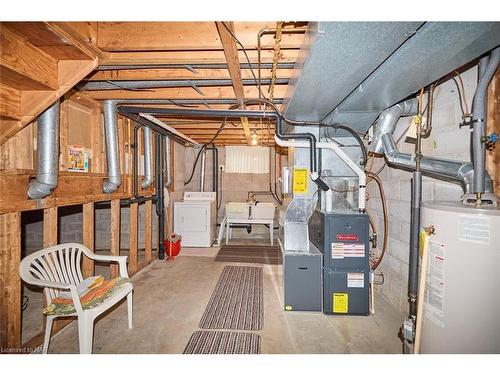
490,141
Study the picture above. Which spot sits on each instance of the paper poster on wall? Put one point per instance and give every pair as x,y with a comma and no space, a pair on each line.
78,159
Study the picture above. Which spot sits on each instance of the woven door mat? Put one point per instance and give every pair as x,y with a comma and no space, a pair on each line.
223,342
237,300
250,254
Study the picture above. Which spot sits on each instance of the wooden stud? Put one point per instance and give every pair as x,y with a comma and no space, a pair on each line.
115,234
88,237
10,293
133,256
50,227
493,126
63,136
148,217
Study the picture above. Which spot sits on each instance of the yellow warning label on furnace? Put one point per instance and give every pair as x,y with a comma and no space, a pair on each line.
340,303
300,180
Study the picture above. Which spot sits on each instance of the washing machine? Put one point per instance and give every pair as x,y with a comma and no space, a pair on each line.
195,218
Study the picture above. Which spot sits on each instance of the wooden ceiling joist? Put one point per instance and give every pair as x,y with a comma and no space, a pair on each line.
183,93
151,36
226,32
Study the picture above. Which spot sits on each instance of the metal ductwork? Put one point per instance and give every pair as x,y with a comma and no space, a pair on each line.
112,157
450,170
386,61
148,160
388,120
487,67
47,153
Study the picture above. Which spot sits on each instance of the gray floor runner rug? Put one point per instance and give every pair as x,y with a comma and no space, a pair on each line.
250,254
237,300
223,342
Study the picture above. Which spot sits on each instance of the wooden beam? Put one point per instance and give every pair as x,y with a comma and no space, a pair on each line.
163,73
10,104
115,234
133,220
88,237
223,92
73,189
148,217
26,60
10,292
191,57
181,36
233,64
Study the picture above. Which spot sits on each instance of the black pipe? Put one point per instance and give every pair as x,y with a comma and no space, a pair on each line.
356,137
160,209
215,175
127,201
210,113
416,198
136,160
281,65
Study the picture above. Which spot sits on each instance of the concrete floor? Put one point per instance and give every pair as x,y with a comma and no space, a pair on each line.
170,298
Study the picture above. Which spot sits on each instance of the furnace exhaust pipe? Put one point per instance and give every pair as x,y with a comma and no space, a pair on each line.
112,157
451,170
148,160
47,153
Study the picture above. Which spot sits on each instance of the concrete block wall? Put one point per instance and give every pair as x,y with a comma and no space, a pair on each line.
447,140
235,187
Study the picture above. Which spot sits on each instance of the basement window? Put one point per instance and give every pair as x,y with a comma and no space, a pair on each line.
246,159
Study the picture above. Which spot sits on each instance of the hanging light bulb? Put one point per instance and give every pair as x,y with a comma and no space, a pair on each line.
255,138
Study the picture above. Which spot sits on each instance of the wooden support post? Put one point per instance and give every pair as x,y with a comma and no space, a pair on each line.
134,218
115,234
148,217
88,237
50,227
10,293
233,65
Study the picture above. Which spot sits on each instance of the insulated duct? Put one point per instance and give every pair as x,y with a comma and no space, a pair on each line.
487,67
47,153
451,170
148,161
112,157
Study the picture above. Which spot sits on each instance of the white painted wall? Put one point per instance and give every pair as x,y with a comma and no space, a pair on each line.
447,141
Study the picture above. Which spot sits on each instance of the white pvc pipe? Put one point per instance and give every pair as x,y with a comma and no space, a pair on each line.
335,148
169,128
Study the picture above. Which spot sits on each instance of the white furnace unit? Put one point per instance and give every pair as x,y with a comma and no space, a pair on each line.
195,218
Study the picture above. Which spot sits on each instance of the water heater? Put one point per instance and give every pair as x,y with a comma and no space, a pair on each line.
462,289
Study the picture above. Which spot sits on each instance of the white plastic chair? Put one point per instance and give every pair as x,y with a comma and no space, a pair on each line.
58,268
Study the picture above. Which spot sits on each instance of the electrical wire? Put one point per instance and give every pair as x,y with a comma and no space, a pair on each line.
356,137
203,147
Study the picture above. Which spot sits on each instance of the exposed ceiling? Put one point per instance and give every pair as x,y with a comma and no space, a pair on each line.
197,61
